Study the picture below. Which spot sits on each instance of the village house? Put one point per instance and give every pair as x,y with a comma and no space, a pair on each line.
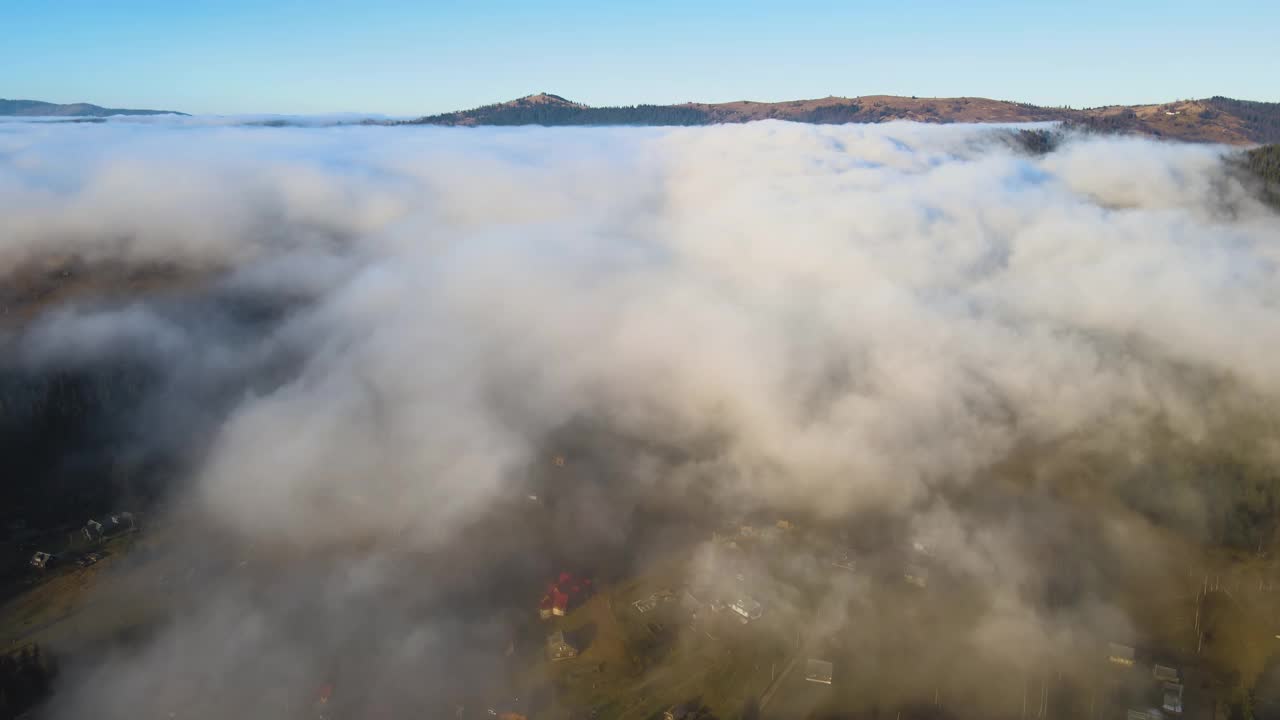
92,530
553,603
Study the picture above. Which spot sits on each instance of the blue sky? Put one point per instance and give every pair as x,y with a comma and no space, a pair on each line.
405,58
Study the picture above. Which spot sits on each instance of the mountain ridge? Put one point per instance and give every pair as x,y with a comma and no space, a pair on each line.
40,108
1216,119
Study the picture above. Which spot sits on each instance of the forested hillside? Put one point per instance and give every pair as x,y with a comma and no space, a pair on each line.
1264,162
1261,119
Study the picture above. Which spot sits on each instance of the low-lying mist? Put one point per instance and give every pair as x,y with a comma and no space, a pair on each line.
369,343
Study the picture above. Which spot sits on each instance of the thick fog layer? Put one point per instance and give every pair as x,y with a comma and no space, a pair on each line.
910,322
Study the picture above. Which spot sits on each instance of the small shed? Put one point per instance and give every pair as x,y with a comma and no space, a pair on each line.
1172,697
817,671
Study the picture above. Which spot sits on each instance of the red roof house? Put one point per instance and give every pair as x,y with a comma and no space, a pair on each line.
561,594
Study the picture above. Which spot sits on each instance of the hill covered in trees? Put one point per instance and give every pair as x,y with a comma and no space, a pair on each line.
552,110
546,109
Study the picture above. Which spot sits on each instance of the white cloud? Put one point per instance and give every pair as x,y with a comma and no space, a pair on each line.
852,317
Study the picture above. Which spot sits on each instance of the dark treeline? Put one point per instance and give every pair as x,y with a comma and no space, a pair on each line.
1265,162
26,678
66,441
1036,142
59,435
1119,123
833,115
